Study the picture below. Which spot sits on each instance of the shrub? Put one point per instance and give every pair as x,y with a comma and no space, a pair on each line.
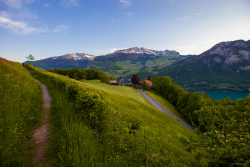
136,87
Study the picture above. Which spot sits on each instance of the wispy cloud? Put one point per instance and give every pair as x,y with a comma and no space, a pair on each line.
125,3
112,20
97,15
47,5
60,28
128,13
69,3
196,14
110,50
16,3
18,27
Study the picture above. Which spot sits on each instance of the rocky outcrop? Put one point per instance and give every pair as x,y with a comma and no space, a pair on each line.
246,68
241,44
245,54
221,51
232,59
233,51
217,59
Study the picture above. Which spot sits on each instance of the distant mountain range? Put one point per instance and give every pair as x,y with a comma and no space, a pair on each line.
74,60
82,60
224,67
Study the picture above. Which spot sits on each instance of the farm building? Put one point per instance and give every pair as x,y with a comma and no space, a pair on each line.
113,82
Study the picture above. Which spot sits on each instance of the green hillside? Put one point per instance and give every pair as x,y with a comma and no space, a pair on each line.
125,65
159,127
20,111
126,129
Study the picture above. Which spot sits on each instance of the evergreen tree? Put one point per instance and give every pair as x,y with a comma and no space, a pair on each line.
149,78
135,79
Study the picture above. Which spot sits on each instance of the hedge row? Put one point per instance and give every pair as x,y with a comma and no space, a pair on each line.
88,74
88,102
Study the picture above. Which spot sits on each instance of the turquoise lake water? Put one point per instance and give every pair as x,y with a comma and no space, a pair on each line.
223,95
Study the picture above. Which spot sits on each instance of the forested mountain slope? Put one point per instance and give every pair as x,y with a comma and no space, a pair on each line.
224,67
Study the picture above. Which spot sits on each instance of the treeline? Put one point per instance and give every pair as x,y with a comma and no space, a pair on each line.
223,125
87,74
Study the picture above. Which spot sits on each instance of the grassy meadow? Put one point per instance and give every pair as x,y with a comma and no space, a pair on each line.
20,111
157,129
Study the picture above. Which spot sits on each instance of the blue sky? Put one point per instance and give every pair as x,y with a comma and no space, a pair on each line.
46,28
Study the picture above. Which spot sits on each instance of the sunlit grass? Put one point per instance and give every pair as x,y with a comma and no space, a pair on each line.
160,128
20,110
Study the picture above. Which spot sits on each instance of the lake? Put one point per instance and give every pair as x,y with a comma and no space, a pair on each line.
223,95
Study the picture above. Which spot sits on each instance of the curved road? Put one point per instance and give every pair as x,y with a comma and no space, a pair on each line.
160,107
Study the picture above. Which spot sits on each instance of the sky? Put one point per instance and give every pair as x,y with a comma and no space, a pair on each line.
46,28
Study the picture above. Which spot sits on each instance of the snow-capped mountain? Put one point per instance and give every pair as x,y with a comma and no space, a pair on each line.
76,56
142,50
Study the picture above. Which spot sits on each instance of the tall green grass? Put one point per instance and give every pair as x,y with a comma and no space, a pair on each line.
20,110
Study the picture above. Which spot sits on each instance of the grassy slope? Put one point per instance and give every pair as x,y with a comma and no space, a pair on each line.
20,110
161,128
69,133
157,97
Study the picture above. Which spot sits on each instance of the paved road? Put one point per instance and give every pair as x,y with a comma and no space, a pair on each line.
160,107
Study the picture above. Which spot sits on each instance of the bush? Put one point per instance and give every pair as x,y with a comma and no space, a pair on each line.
87,101
136,87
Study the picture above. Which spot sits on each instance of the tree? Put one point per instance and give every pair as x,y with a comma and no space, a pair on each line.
149,78
135,79
144,85
112,78
30,57
105,79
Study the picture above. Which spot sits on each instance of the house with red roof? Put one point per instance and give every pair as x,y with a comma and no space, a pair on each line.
149,82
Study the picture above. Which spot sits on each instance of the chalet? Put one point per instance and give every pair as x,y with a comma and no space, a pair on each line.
140,83
149,82
113,82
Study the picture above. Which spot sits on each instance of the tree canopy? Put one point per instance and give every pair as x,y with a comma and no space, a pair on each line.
135,79
30,57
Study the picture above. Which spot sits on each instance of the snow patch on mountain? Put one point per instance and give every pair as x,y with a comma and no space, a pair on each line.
142,50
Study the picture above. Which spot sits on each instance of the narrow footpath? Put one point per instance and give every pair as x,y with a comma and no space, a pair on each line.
160,107
40,135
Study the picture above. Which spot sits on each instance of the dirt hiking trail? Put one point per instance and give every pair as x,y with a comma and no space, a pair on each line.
40,135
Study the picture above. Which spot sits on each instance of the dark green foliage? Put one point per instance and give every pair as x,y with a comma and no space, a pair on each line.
87,74
135,79
145,85
136,87
105,79
223,125
112,78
